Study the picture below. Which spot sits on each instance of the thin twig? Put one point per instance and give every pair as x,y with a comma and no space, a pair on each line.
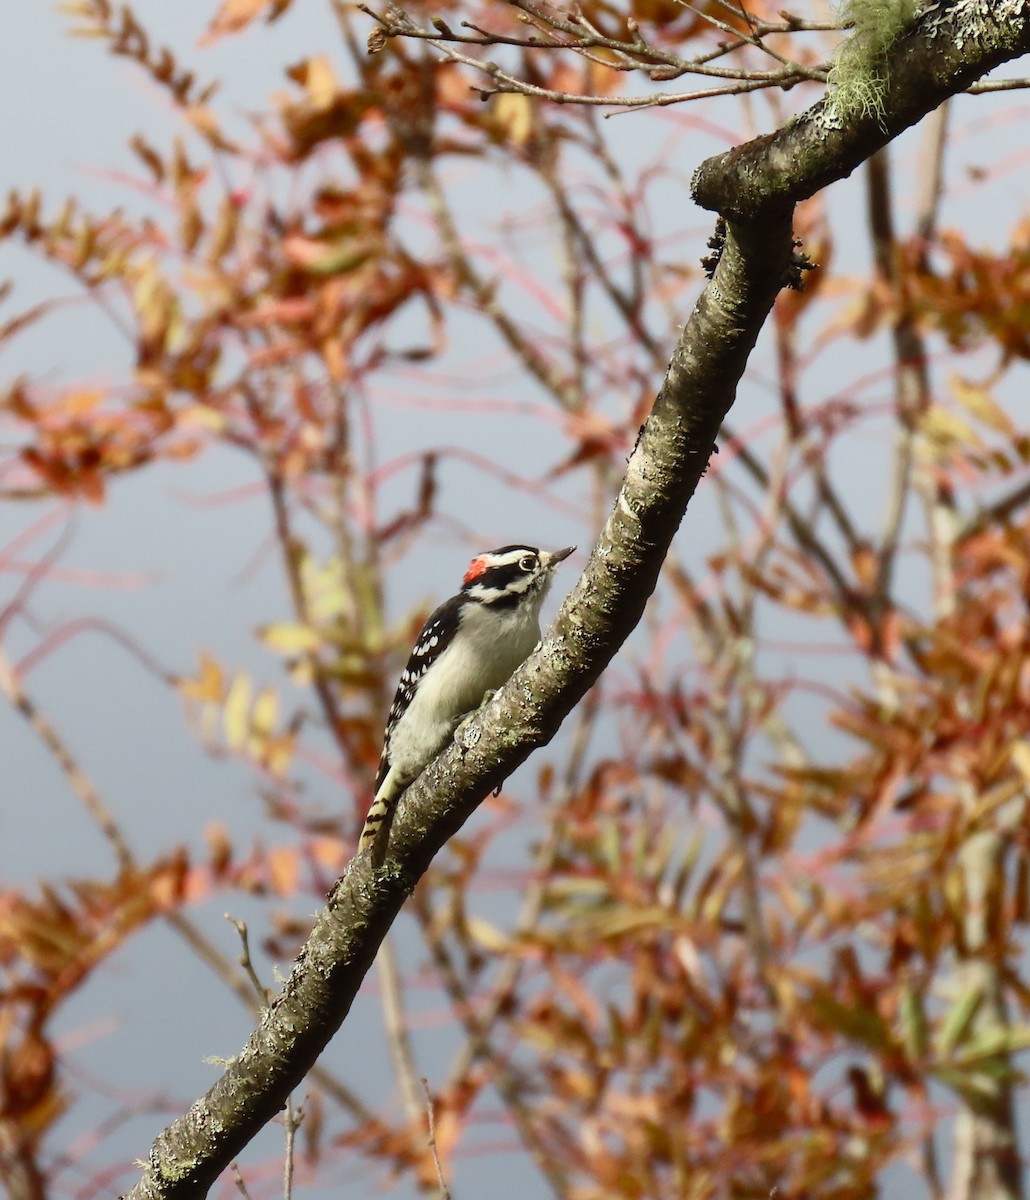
504,1075
398,1036
288,547
543,371
78,781
999,511
997,85
292,1119
581,36
445,1193
238,1178
247,963
931,173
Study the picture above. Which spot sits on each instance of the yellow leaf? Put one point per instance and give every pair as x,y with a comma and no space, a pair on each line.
237,710
488,936
514,113
265,712
205,687
321,82
981,404
1020,753
289,638
277,754
946,428
77,403
202,416
203,120
149,286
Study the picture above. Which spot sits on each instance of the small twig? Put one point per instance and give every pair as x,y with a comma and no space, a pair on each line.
241,986
1001,510
246,962
931,173
504,1075
532,358
445,1193
78,781
997,85
291,564
752,39
291,1117
581,38
291,1123
17,603
239,1179
397,1034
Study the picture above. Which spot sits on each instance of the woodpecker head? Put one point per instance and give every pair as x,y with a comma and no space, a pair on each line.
508,575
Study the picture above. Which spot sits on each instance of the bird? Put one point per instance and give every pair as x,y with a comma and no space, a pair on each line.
468,648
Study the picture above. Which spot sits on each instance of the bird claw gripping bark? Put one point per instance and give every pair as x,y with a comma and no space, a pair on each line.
463,735
793,276
716,243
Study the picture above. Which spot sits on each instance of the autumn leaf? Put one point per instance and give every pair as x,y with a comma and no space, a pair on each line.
234,15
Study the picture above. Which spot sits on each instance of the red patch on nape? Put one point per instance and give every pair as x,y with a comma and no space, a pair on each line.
476,568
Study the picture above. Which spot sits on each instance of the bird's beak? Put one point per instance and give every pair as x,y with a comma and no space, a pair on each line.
554,557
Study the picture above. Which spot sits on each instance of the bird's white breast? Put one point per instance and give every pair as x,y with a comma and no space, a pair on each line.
484,654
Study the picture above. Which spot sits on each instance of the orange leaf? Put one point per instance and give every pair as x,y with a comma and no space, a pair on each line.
283,870
234,15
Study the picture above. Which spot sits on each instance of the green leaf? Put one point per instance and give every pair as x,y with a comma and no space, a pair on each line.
957,1023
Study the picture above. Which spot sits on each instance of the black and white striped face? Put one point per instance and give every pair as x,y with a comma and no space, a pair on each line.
501,578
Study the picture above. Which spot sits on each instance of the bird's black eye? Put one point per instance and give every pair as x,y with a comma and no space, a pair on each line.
527,562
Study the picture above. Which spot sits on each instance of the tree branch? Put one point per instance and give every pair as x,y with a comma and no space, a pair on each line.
948,48
756,186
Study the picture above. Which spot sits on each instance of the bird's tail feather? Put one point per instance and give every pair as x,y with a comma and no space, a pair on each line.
376,831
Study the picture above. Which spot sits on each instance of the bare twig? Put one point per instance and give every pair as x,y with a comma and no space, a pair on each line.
288,547
241,1187
292,1118
246,962
998,85
543,371
620,56
987,1161
504,1076
398,1036
78,781
931,173
1000,510
445,1193
575,32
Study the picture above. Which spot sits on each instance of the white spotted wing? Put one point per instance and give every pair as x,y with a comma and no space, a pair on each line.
435,637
